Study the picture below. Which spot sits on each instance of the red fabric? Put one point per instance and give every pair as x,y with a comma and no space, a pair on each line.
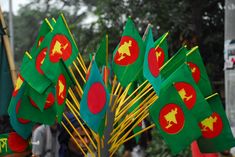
196,152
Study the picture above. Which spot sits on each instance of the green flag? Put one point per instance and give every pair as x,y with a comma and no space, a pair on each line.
101,55
161,50
151,69
61,45
128,55
13,143
30,109
32,72
216,132
63,83
22,126
6,85
177,126
189,92
199,73
94,101
44,29
174,62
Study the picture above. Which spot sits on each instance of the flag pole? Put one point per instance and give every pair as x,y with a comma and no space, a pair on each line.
8,50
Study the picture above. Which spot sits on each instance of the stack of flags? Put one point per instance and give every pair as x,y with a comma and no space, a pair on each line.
140,82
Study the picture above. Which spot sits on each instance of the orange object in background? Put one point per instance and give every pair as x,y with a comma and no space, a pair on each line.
196,152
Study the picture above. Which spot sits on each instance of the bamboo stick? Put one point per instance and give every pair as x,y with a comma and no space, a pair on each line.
84,80
80,123
9,54
75,130
73,138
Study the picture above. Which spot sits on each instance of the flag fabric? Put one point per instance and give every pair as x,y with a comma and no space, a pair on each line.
63,83
60,45
195,62
173,63
38,80
13,143
45,28
177,126
161,50
189,92
6,84
101,54
30,109
94,101
151,69
128,55
22,126
216,132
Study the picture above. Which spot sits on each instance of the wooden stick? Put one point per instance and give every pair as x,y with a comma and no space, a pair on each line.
69,104
78,87
75,130
192,50
127,121
73,138
140,132
84,80
75,100
10,56
82,64
80,123
146,31
107,50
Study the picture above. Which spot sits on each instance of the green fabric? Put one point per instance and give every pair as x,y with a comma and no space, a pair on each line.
152,75
6,85
224,140
32,76
130,70
28,111
9,144
189,131
164,46
204,82
69,82
94,120
60,32
201,108
173,63
100,56
23,129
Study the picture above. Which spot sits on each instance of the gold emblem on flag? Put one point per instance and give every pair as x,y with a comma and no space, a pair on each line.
3,144
124,49
183,95
158,54
171,118
58,47
61,89
208,123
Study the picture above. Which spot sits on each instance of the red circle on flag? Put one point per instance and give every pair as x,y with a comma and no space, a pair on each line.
61,88
196,73
160,56
60,47
211,127
187,93
40,41
20,120
127,52
96,98
171,119
153,62
19,82
17,143
49,101
39,60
